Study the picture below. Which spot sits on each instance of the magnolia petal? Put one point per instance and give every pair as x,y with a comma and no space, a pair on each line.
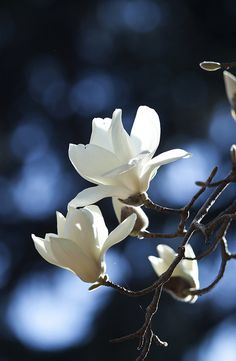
190,265
97,223
166,253
161,159
91,161
100,133
117,205
60,223
70,256
168,157
119,233
120,139
40,245
94,194
230,86
79,227
158,265
146,130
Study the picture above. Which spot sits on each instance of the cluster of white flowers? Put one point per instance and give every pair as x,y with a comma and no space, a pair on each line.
121,166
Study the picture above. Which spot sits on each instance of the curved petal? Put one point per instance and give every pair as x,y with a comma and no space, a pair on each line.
166,253
189,265
79,227
158,265
168,157
117,205
40,245
150,168
72,257
120,232
100,133
230,86
120,139
146,130
97,223
60,223
91,161
94,194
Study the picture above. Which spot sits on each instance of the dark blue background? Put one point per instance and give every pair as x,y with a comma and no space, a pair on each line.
61,64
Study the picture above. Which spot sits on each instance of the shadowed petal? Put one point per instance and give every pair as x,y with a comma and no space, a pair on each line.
120,232
230,86
60,223
166,253
91,161
158,265
72,257
120,139
45,252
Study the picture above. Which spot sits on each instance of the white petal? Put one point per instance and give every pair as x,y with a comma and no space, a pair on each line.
158,265
72,257
120,139
40,245
120,232
117,205
166,253
95,194
80,228
60,223
168,157
91,161
230,86
189,265
100,133
151,167
146,130
98,224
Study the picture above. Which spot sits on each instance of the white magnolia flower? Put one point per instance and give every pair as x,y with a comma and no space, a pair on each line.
230,86
185,275
123,211
120,164
81,242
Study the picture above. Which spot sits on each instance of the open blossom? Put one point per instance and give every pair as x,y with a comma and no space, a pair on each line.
230,86
123,211
81,242
121,165
185,275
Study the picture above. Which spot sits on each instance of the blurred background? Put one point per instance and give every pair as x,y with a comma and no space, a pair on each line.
63,63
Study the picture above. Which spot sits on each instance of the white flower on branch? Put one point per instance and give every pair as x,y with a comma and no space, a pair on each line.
123,211
185,275
121,165
230,86
81,242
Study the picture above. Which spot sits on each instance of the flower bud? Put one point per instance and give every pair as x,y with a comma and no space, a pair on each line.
123,211
210,65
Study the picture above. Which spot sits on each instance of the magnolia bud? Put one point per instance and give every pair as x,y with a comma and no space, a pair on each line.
141,222
210,65
123,211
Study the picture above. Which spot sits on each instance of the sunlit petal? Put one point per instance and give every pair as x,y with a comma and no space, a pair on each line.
94,194
146,130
